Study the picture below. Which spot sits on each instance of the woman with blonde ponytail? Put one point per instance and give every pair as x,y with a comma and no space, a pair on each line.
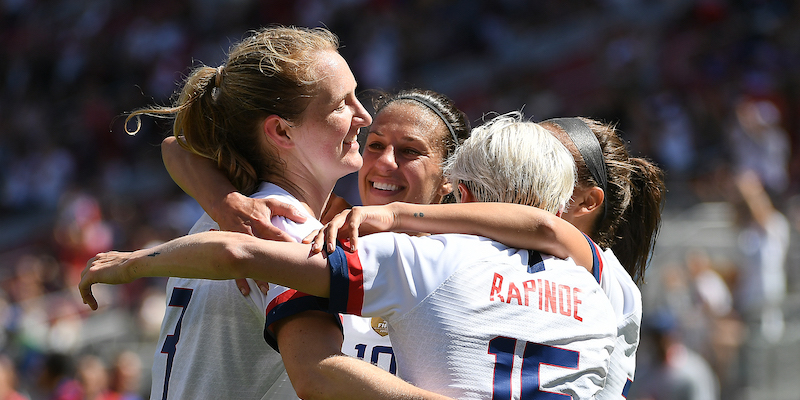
279,118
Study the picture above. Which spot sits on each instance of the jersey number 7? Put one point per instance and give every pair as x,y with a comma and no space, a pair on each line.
533,356
180,298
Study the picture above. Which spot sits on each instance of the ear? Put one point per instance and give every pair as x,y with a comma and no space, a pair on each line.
445,188
586,201
465,195
278,131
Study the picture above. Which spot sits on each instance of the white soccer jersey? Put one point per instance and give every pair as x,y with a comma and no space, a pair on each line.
472,319
210,345
626,300
363,338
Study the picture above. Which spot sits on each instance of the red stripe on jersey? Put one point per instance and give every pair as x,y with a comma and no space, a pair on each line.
289,294
355,290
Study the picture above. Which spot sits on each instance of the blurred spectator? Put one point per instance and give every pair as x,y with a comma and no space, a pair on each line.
764,242
126,377
81,232
760,144
677,372
8,380
90,382
723,330
73,183
55,374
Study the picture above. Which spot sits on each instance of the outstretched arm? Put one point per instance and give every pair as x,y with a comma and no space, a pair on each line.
212,255
310,342
512,224
231,210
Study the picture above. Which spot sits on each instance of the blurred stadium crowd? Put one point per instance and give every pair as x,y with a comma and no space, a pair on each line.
706,88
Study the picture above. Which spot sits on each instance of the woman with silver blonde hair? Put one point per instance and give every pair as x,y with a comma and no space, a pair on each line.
616,203
500,159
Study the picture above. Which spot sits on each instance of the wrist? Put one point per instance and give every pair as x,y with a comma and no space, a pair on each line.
223,204
399,212
133,267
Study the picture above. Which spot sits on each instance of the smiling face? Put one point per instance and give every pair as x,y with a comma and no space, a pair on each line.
325,137
403,157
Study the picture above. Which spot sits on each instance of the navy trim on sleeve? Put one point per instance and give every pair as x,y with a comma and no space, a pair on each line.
340,280
290,308
596,268
535,262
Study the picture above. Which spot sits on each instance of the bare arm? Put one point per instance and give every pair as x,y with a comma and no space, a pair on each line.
512,224
310,342
212,255
233,211
310,345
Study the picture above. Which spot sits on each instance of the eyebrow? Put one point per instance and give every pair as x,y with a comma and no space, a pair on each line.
404,137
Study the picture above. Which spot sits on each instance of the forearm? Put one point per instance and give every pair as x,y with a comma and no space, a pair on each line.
229,255
198,176
310,345
212,255
356,379
200,256
512,224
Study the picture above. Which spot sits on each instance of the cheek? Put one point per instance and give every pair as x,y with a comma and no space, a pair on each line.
369,158
423,180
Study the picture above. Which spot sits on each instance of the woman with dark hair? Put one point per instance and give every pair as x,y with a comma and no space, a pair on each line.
617,202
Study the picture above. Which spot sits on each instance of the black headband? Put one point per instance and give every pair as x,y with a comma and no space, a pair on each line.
435,109
589,147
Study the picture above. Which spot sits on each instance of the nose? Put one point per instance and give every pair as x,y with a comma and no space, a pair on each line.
387,161
361,116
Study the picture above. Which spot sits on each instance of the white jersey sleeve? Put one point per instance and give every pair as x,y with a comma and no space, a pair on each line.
471,318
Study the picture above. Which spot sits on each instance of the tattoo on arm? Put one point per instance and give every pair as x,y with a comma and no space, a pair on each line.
419,215
153,254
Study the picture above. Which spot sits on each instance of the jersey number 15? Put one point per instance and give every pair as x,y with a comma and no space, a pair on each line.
533,356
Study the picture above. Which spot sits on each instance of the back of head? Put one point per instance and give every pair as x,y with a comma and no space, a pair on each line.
219,110
509,160
634,197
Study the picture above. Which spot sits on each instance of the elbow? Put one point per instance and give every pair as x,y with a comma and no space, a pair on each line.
553,245
306,389
232,260
311,386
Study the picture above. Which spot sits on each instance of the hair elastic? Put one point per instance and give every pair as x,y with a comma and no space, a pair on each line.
589,147
218,76
435,109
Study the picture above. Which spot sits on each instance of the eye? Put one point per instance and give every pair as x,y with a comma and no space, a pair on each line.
412,151
375,145
341,107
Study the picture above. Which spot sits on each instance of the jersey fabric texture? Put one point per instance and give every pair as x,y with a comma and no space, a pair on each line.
210,345
363,338
626,301
471,318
